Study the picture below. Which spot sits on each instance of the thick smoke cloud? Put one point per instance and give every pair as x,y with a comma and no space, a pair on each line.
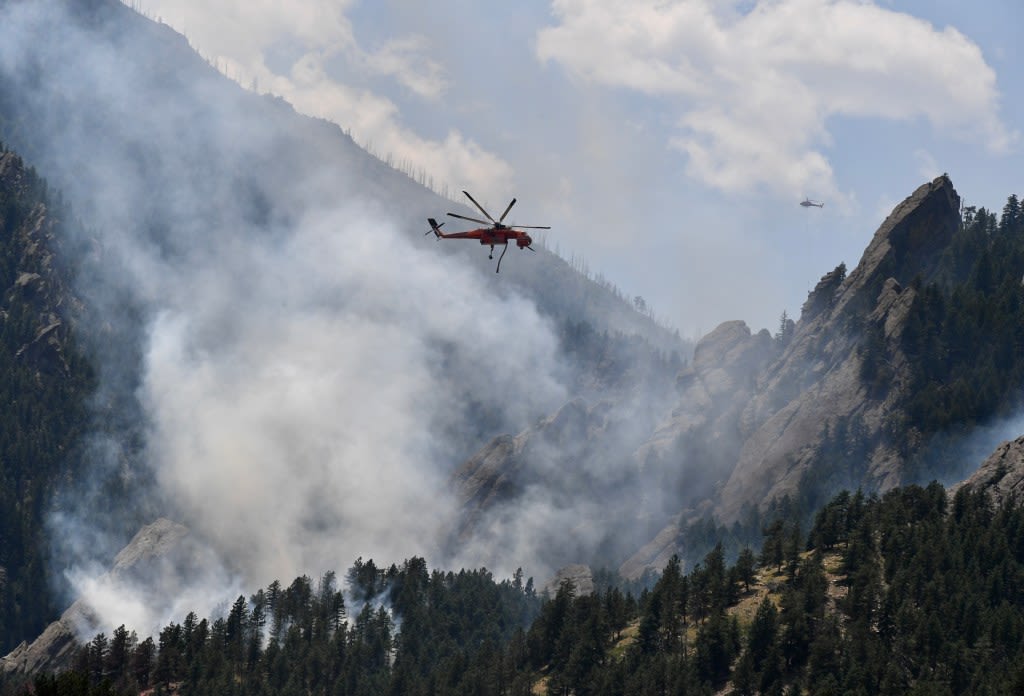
290,348
297,410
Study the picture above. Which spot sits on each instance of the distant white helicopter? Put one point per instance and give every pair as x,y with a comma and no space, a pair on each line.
808,203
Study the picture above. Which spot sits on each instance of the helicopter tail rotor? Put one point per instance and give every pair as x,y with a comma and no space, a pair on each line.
435,227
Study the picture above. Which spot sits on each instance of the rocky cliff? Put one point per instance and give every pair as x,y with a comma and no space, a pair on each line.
820,408
1001,475
39,282
822,383
823,410
756,418
150,551
560,480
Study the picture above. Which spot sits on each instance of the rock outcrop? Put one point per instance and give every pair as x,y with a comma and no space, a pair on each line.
566,487
40,283
820,385
547,451
702,428
579,575
54,650
1001,475
714,388
775,412
656,553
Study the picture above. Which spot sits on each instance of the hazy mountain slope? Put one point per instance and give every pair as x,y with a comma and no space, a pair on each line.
281,353
819,379
163,152
591,479
158,549
45,382
307,378
141,91
932,310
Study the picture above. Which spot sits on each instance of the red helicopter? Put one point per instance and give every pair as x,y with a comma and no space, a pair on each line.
497,233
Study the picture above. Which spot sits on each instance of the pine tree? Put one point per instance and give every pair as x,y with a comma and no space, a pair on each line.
746,564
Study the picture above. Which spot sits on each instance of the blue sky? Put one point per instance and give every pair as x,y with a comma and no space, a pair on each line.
667,142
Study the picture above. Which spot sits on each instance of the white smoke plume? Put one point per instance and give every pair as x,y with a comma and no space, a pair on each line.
296,411
298,340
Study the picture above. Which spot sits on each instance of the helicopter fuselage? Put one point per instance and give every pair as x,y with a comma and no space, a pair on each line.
497,234
493,237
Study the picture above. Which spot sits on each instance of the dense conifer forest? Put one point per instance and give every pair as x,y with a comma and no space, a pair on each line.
965,334
912,592
44,383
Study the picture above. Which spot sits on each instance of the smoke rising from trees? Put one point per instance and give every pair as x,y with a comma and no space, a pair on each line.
290,350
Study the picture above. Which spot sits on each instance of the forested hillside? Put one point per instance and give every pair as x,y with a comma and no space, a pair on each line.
44,384
893,366
958,357
270,336
965,334
911,592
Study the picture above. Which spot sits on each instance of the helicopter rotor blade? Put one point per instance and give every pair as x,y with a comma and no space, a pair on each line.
486,214
531,249
507,209
530,227
463,217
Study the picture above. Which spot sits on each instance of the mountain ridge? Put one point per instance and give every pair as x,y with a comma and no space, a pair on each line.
639,446
815,393
171,167
754,416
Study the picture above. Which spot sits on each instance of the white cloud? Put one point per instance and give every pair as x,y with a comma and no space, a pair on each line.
243,30
240,38
407,61
374,122
755,91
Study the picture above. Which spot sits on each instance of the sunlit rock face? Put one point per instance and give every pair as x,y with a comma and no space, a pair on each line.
1001,476
817,385
160,548
774,410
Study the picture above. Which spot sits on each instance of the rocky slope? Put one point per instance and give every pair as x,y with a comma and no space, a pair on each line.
817,385
1001,475
215,159
560,480
820,407
40,282
155,548
756,418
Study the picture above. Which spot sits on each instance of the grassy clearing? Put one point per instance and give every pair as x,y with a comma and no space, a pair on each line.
768,582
